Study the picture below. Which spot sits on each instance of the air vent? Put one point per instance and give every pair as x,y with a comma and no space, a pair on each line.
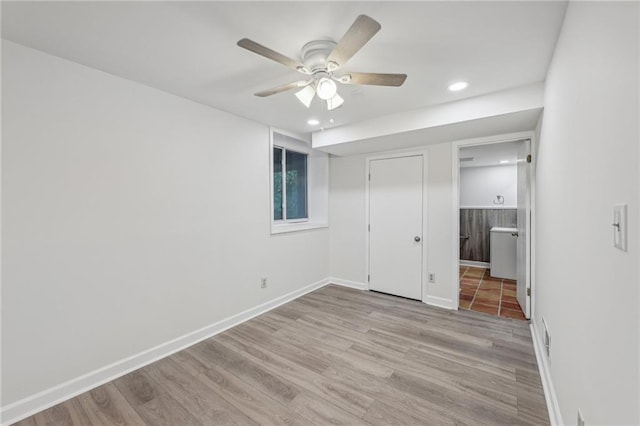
546,337
465,159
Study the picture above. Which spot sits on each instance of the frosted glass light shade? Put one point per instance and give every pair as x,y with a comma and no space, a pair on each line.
326,88
334,102
306,95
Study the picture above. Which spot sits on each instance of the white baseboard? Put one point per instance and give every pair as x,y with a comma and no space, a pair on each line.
440,302
42,400
429,300
555,416
474,263
348,283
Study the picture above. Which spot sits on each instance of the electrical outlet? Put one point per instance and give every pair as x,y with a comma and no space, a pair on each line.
580,418
263,282
432,277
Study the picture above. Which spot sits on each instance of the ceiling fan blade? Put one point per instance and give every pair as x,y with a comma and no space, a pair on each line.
283,88
373,79
360,32
261,50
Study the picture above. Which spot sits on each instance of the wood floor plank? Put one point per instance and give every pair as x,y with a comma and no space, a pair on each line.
151,402
529,377
438,324
347,336
311,382
341,356
106,405
310,336
68,413
493,368
321,412
424,330
29,421
452,382
259,406
463,372
333,356
379,390
456,402
193,395
534,411
294,354
274,320
215,353
386,415
492,355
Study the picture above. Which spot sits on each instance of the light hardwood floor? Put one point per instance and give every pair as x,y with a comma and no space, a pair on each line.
334,356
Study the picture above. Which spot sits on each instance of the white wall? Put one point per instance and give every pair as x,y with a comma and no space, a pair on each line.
348,222
130,217
347,218
586,290
480,185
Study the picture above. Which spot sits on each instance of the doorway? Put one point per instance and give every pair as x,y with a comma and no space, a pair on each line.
493,206
395,224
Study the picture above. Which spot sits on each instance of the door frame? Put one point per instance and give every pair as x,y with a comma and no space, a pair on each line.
386,156
455,155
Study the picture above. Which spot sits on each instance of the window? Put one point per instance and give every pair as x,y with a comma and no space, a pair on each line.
289,185
299,184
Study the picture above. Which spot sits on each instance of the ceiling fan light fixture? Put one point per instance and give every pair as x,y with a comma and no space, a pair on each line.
334,102
320,59
332,66
326,88
306,95
303,70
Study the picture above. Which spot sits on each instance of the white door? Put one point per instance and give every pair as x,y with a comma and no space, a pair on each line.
524,226
395,220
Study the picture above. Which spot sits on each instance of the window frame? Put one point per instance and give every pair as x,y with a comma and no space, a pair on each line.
317,182
283,185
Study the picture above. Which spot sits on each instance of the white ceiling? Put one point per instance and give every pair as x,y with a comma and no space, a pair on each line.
189,49
490,155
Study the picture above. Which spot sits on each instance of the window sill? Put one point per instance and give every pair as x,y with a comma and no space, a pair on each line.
281,228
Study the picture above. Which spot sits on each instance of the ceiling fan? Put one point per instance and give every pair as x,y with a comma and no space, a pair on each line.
321,59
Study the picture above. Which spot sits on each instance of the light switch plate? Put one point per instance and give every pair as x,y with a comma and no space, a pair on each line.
620,226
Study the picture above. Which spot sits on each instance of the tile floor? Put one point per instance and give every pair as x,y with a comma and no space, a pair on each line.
481,293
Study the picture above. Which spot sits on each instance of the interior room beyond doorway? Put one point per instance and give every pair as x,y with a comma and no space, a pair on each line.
482,293
493,228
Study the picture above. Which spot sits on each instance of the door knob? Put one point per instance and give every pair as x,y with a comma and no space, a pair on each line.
417,239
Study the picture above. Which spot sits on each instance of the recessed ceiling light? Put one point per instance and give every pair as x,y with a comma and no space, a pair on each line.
331,120
313,122
460,85
504,161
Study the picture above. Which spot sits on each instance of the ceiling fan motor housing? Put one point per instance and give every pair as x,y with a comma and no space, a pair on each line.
315,54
